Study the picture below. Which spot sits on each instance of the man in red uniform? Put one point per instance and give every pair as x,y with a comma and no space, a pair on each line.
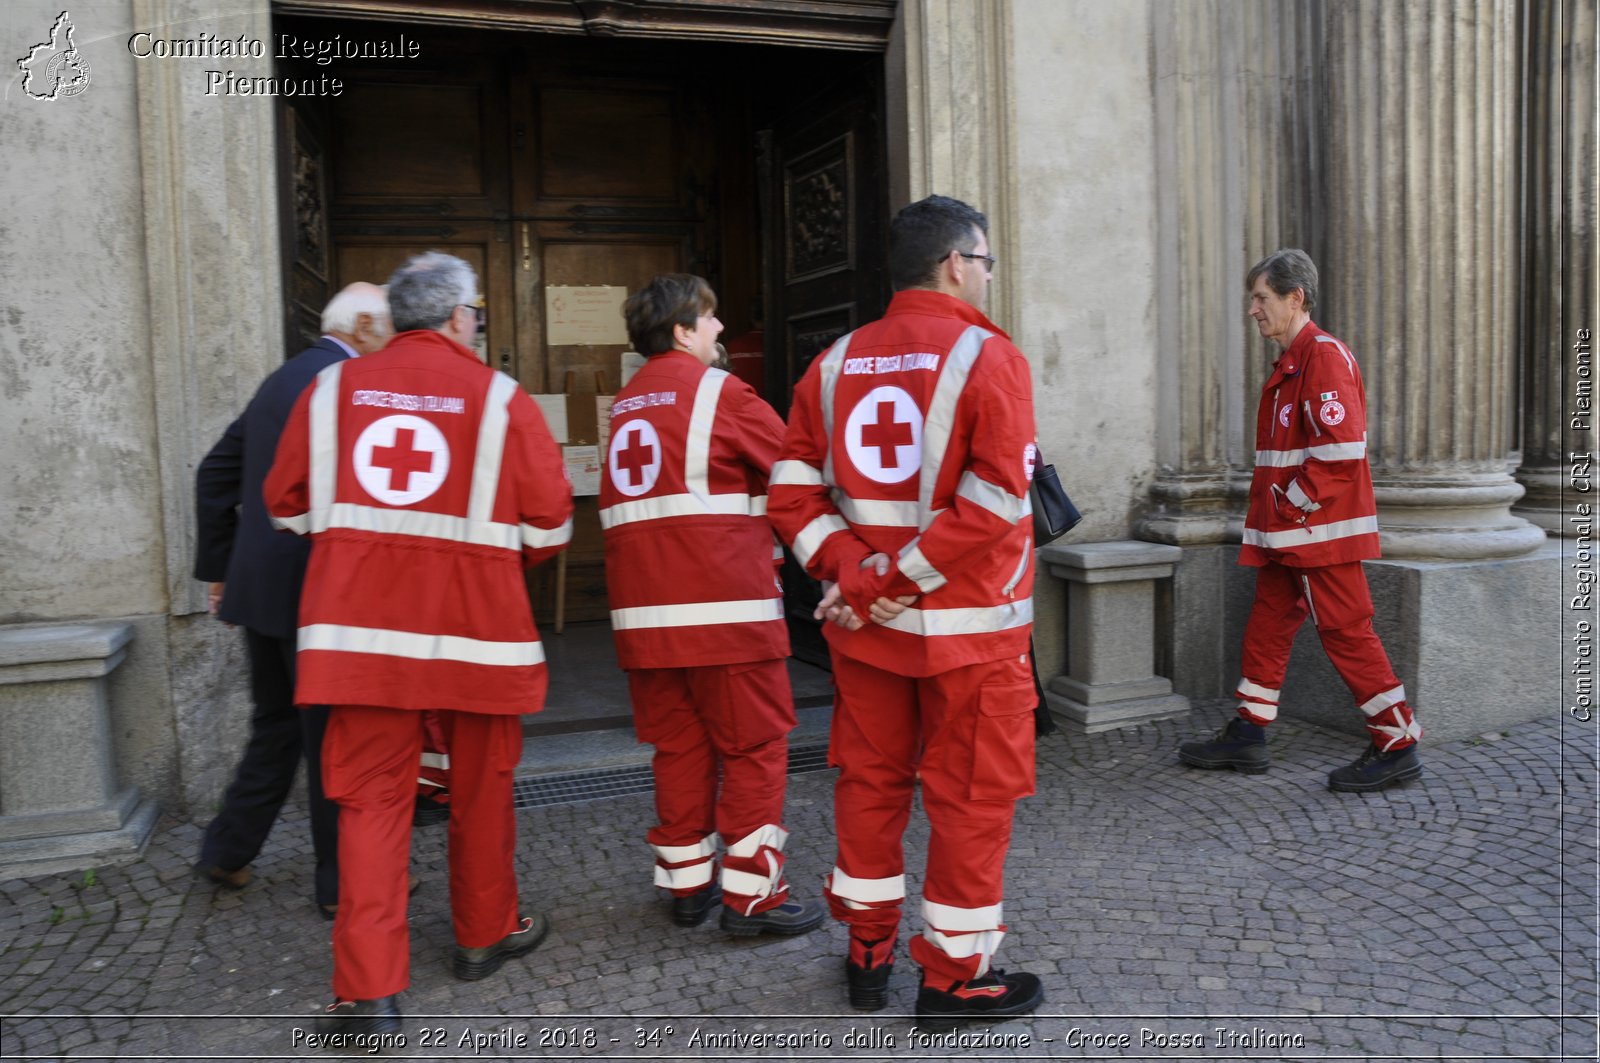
697,612
1312,521
425,480
904,484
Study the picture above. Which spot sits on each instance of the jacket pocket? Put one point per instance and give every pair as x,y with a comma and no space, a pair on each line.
1002,743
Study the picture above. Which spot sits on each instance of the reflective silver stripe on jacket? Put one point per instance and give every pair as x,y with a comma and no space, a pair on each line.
418,647
996,499
941,416
1298,496
915,567
971,620
323,444
354,516
697,614
1312,533
878,512
729,505
794,473
1283,459
697,500
827,385
491,448
813,535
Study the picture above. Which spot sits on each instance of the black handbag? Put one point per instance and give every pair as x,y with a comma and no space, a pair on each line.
1053,512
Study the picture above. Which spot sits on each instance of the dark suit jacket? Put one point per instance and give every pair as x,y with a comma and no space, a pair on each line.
263,568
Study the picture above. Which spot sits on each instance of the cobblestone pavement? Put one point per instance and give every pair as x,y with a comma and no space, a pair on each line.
1172,913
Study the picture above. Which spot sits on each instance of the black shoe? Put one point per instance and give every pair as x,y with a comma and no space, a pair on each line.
788,918
361,1016
691,909
473,964
1241,745
429,811
1375,771
995,995
869,986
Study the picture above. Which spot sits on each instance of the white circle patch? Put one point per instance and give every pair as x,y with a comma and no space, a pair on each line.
883,436
1030,460
401,459
635,458
1332,412
1283,414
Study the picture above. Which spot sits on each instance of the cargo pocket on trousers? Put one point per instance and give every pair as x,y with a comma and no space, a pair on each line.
1002,746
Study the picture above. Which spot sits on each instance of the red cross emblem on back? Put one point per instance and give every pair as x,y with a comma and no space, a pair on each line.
634,461
888,435
402,459
883,435
636,456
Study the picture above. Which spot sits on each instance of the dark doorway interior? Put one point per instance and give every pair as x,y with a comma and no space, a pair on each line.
577,166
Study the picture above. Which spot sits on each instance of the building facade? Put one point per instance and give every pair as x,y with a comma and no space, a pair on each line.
1437,160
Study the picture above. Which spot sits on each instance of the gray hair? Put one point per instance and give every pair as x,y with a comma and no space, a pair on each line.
342,310
426,290
1286,270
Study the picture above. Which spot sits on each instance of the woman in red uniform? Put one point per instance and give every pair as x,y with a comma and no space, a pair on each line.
697,612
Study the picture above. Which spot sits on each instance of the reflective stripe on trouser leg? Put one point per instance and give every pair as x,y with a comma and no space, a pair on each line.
1278,610
967,936
869,906
978,761
686,868
685,772
874,741
752,871
1257,703
1390,720
485,749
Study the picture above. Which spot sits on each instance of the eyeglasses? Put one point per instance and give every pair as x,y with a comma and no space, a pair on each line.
479,312
988,260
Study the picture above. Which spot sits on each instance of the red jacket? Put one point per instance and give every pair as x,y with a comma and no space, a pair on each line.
689,552
914,436
425,480
1311,498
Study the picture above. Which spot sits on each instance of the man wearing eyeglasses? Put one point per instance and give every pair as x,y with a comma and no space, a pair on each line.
903,486
426,481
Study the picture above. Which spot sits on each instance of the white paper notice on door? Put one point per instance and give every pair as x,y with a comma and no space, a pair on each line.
583,469
586,315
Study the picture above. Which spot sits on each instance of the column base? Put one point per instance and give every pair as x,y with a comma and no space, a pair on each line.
1475,644
57,843
1452,518
1102,708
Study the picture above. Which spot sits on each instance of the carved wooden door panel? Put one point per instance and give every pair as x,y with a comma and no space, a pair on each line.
822,180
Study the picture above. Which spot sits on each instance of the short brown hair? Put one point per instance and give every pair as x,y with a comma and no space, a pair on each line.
671,299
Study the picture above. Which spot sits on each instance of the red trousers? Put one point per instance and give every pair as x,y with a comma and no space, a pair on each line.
1338,601
737,716
369,766
968,735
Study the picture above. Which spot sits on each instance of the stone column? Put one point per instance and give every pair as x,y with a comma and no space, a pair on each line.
1419,271
1558,249
951,118
1233,145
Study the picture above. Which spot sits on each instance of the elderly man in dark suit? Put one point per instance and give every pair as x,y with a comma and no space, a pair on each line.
255,575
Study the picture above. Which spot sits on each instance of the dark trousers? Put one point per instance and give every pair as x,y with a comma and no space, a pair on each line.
280,735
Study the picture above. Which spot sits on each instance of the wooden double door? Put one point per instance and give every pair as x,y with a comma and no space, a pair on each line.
581,167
